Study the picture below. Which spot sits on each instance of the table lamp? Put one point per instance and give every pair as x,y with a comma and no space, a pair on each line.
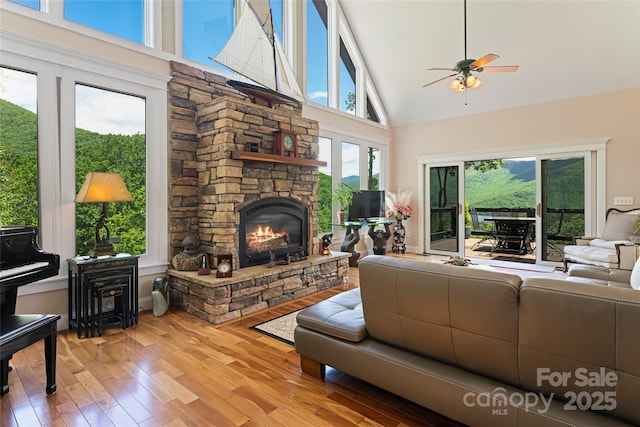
103,187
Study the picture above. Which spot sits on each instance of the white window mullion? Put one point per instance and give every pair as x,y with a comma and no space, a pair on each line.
54,8
152,35
67,125
334,55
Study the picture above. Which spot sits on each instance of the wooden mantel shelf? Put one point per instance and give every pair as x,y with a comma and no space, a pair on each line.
275,158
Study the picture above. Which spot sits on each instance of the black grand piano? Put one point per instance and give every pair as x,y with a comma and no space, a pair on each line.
22,262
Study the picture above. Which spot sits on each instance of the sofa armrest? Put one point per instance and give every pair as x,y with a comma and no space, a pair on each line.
583,241
599,275
589,272
626,256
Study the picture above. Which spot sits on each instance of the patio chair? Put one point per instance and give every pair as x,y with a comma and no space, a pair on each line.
488,236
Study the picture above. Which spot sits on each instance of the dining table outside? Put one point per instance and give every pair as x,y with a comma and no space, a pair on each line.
513,234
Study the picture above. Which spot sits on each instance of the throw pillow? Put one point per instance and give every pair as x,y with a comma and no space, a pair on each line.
619,226
635,276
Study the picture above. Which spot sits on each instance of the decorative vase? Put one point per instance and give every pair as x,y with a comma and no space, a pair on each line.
398,238
341,215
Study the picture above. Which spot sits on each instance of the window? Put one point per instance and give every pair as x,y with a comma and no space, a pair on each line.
347,81
356,162
351,165
371,112
317,52
68,101
110,137
207,27
276,17
18,148
325,201
123,19
373,168
33,4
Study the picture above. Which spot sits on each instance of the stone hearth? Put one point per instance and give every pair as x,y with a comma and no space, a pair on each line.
255,288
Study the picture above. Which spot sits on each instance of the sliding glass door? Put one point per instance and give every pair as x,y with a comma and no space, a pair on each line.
443,221
561,185
563,199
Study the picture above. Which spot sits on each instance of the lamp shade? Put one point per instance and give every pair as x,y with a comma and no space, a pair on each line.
103,187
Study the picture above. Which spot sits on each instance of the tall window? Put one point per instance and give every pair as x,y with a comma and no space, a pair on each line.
33,4
325,203
207,27
18,148
347,81
123,19
371,112
317,52
351,164
373,168
110,137
276,17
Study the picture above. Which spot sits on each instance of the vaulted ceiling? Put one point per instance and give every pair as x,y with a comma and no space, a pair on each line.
565,49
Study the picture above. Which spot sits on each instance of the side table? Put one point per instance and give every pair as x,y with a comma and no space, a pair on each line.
86,275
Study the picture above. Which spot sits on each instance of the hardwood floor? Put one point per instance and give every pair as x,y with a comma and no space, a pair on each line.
177,370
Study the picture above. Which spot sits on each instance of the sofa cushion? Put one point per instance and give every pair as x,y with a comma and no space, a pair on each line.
592,255
635,276
608,244
619,225
340,316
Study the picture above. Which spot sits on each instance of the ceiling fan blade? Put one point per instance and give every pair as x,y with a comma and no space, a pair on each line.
479,63
442,69
500,69
439,80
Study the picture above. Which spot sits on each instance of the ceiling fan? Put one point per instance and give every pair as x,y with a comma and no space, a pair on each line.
464,68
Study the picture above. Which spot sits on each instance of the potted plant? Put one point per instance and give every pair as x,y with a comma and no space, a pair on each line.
635,238
467,221
343,194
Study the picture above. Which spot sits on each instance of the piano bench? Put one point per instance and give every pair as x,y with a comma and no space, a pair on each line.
18,331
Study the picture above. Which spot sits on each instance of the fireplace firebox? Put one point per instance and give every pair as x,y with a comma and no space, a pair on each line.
277,225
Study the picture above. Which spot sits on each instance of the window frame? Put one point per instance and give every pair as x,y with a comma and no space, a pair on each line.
338,135
58,70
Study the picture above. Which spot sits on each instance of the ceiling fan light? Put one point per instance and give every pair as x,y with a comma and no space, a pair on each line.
461,88
477,83
471,80
455,84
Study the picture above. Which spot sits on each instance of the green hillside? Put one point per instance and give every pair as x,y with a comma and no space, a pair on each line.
512,185
18,128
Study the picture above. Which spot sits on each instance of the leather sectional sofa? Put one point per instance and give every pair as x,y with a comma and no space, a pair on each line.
483,347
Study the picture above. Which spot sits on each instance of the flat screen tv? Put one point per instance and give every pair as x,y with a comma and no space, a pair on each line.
367,204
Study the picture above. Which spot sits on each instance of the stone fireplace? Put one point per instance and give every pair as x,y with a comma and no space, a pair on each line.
234,190
231,190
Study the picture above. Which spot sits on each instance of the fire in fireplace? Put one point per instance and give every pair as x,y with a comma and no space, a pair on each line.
265,239
277,225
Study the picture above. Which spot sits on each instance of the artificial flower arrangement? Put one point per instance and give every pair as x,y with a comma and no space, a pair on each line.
398,205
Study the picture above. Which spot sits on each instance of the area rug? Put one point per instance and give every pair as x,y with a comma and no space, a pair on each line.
514,259
280,328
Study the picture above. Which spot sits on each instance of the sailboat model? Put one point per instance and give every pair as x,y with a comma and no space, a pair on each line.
253,50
